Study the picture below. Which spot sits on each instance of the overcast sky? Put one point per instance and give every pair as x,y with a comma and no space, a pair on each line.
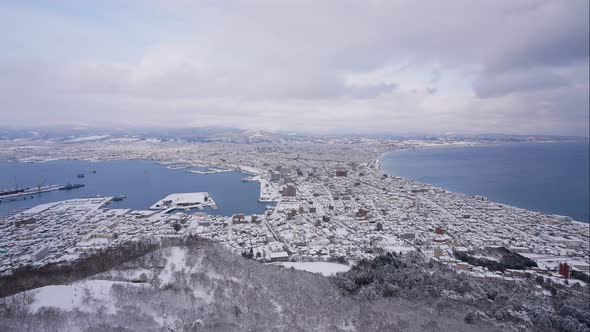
317,66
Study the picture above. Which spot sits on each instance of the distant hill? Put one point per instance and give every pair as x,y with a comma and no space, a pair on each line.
67,134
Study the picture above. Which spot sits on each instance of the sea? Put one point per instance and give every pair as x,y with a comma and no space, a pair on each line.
143,182
552,178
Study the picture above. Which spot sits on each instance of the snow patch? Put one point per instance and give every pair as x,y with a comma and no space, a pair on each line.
85,296
324,268
87,138
175,262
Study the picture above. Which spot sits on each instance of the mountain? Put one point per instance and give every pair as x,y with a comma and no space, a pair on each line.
66,134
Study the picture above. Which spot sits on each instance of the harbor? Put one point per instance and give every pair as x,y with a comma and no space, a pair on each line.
133,184
10,195
209,171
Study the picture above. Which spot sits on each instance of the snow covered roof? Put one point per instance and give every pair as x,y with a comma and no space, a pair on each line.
181,199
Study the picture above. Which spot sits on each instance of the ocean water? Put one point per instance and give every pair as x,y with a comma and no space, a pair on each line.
548,177
143,182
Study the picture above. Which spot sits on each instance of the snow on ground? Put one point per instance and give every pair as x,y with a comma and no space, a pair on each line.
175,262
69,257
83,295
133,274
392,243
117,212
123,139
340,231
492,258
39,208
324,268
202,293
87,138
403,249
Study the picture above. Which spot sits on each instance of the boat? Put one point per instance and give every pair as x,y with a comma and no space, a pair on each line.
5,192
72,186
80,175
119,198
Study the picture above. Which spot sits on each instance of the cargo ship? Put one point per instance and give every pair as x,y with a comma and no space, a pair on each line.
71,186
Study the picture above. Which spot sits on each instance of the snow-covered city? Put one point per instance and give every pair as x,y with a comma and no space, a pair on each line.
327,202
295,165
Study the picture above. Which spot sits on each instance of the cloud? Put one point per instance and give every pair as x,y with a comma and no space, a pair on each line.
517,81
548,33
329,66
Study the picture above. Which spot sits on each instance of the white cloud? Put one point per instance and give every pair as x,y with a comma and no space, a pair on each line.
386,66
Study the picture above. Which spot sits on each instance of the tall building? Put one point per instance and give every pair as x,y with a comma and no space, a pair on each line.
275,177
290,191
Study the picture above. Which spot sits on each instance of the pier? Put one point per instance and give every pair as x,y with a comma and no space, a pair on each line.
26,193
210,171
185,201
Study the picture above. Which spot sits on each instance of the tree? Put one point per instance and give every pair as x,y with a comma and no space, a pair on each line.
176,226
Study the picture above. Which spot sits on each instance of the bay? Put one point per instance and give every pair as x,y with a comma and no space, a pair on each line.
143,182
552,178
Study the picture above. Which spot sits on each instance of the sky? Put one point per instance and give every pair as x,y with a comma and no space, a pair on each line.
334,66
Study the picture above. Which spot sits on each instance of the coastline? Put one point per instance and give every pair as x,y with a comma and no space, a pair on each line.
457,145
255,175
379,165
428,146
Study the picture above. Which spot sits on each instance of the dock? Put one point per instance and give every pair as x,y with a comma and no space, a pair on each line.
30,192
210,171
185,201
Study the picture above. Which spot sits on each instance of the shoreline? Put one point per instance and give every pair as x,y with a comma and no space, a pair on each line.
250,172
458,145
380,168
377,163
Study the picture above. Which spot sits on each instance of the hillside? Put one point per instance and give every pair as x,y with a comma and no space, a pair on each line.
202,286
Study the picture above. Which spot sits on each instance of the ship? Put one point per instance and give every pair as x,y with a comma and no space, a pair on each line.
71,186
5,192
119,198
80,175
